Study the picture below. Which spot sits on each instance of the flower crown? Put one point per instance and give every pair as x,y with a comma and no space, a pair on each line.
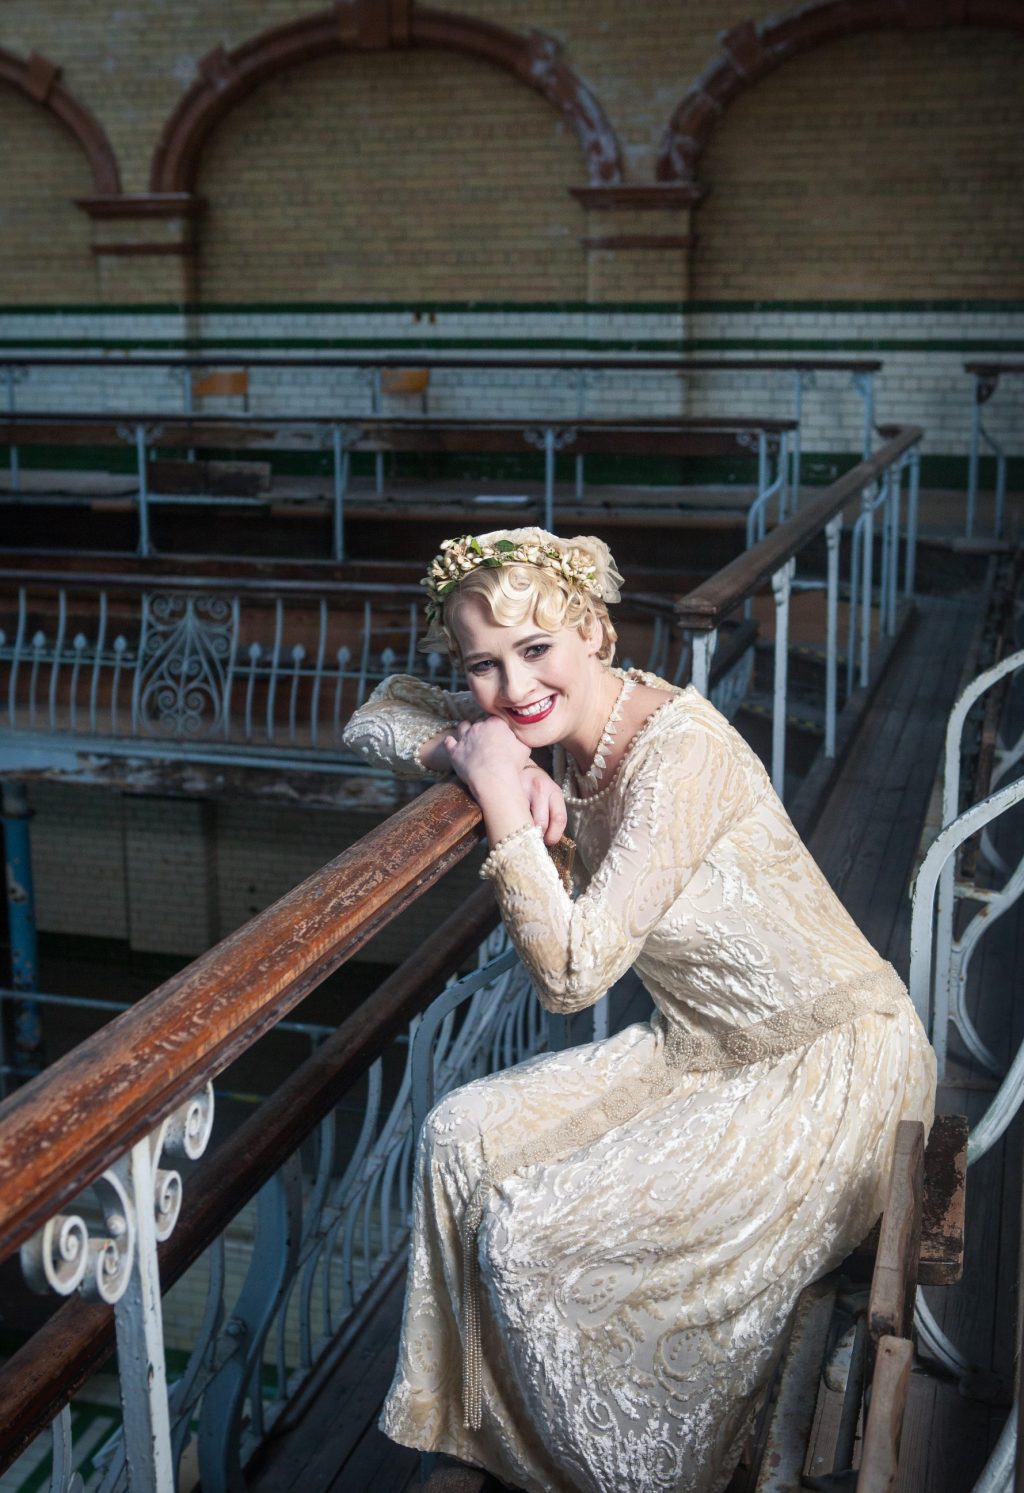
587,566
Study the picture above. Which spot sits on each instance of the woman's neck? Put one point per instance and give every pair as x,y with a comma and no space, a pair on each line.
582,743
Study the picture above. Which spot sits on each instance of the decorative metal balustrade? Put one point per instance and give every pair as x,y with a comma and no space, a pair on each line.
943,944
205,673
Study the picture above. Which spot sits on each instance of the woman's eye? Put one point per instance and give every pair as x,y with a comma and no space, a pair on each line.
537,650
481,667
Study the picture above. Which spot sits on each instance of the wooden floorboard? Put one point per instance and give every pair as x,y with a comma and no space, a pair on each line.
341,1419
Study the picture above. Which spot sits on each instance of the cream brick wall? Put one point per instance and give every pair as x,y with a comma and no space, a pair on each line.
396,176
44,239
885,165
176,875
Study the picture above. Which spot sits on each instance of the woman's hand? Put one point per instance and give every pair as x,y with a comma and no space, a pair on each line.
492,762
486,753
547,803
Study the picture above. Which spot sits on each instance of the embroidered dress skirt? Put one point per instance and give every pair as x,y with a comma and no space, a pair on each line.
630,1292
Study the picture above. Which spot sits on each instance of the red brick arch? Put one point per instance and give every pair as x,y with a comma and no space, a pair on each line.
225,78
753,49
39,80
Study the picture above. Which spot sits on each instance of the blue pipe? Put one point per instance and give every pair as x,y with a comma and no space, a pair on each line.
21,915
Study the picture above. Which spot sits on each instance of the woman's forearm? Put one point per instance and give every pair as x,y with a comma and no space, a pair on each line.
504,805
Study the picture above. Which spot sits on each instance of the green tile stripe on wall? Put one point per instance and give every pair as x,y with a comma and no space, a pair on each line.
817,468
483,308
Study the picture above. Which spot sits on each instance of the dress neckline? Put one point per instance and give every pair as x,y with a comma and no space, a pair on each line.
634,742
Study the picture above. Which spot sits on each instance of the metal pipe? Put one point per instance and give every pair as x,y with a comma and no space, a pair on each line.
912,497
867,563
549,478
972,458
833,535
140,462
703,652
341,464
782,582
28,1055
12,451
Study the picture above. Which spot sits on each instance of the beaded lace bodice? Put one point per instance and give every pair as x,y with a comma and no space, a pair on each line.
689,868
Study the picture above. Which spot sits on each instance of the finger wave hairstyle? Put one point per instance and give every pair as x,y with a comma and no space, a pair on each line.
516,593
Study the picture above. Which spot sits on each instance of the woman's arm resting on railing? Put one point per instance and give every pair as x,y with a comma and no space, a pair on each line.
403,724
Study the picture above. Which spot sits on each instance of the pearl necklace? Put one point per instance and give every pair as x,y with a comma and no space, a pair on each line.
591,779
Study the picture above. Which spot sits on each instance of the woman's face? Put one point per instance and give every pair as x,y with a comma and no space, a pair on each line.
541,683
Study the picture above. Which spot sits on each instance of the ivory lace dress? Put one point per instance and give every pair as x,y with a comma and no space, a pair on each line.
608,1241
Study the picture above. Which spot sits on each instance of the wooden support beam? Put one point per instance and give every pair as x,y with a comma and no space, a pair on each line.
891,1305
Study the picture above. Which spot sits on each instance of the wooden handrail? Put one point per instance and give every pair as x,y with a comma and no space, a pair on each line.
60,1131
43,1374
706,607
419,359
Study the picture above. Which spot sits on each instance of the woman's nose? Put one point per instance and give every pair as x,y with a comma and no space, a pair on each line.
517,681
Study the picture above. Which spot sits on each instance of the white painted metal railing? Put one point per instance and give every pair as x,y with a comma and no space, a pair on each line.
985,381
928,986
215,676
563,388
877,485
954,951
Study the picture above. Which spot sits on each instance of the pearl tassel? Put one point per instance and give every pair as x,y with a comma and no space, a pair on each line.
472,1397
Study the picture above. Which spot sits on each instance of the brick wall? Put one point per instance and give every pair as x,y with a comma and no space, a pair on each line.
863,199
879,166
404,176
44,239
175,876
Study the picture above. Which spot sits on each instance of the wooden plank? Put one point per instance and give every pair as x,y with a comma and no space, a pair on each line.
327,1428
881,1449
943,1207
891,1307
943,1215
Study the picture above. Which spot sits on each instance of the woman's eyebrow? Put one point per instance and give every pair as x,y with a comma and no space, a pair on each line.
535,637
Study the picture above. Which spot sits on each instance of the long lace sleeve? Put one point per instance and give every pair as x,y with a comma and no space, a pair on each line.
685,789
401,714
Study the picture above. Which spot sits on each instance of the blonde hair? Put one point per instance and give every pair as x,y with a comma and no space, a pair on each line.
517,593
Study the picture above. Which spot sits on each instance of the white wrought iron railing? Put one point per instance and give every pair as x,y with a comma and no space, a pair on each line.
201,672
874,484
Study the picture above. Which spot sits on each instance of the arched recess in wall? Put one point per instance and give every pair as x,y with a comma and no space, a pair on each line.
881,162
45,249
364,166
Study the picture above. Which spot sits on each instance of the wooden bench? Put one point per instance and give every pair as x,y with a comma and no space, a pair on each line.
684,437
843,1373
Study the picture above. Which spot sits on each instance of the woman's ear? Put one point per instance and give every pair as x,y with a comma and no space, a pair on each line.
593,636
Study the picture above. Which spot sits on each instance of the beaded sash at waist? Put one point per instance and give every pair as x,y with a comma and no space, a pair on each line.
681,1052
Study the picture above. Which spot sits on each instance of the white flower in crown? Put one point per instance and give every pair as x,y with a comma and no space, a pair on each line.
596,575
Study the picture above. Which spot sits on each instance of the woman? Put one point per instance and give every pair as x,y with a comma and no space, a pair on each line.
608,1241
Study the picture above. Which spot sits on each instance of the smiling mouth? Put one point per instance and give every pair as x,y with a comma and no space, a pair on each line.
529,714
